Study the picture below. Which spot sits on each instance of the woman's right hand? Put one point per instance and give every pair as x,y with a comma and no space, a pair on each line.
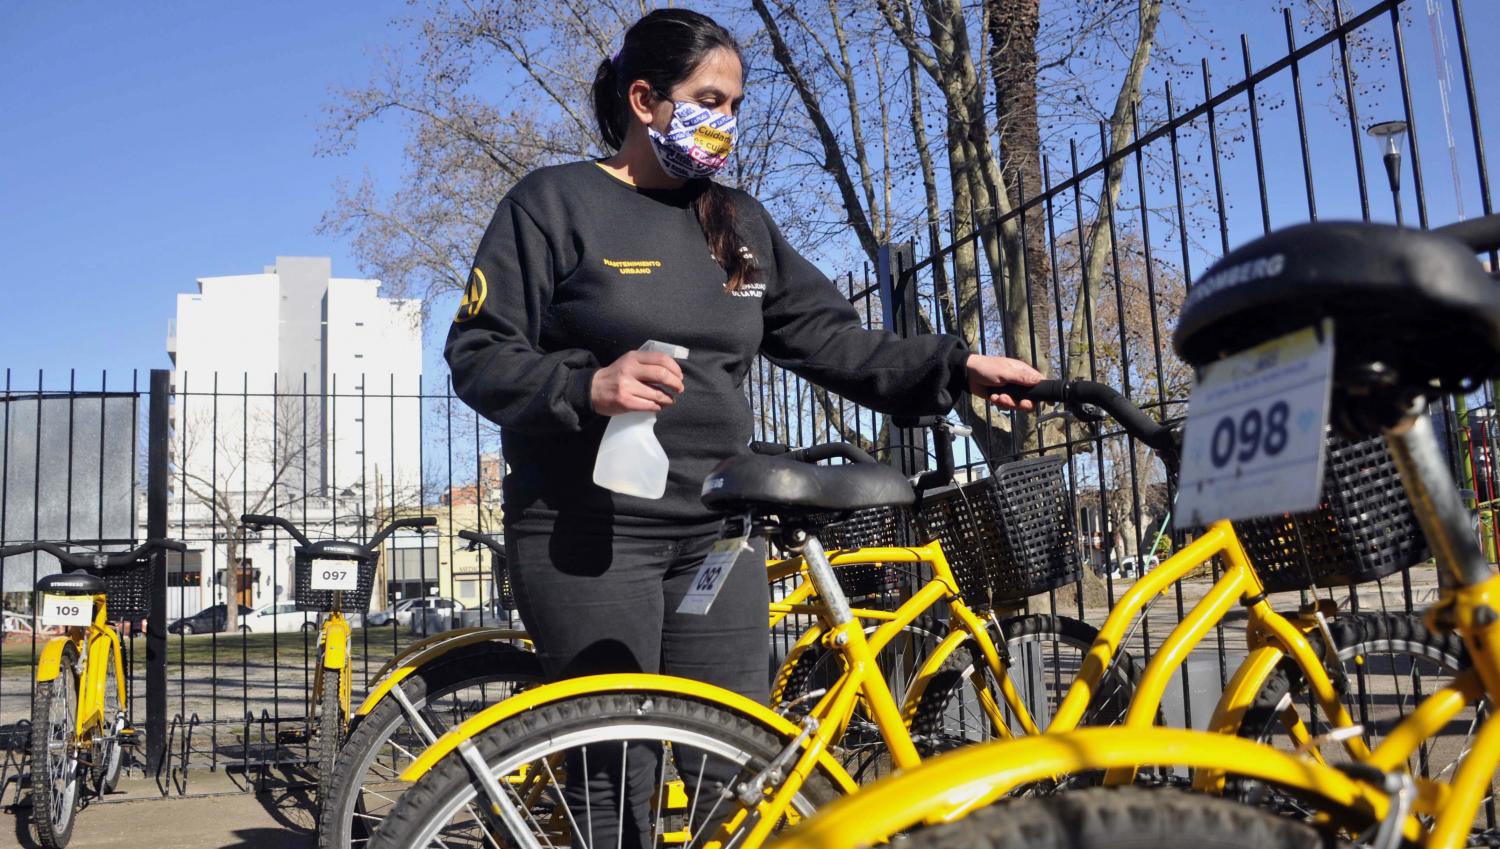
637,382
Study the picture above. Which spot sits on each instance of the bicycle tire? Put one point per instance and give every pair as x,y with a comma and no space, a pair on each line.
1358,638
108,753
54,754
331,729
347,818
543,735
1119,818
943,719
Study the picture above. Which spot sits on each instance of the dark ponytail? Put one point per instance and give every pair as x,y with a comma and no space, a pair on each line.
664,48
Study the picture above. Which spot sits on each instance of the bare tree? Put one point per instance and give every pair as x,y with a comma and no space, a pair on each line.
254,468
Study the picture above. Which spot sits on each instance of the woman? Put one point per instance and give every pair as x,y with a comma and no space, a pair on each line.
580,266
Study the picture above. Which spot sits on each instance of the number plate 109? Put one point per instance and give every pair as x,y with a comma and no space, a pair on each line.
1255,431
335,575
67,610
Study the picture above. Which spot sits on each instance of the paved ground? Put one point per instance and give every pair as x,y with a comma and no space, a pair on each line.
226,819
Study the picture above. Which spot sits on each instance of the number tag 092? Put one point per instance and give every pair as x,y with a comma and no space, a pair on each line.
335,575
67,610
1254,443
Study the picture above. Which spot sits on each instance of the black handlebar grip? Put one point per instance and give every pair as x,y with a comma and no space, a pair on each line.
257,519
1480,234
1044,392
914,422
769,449
829,450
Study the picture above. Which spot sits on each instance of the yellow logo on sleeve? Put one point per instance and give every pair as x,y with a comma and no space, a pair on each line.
633,266
475,292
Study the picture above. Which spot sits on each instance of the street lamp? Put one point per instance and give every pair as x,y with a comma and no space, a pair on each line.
1390,135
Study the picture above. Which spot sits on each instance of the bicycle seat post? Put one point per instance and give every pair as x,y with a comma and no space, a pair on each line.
1434,497
820,571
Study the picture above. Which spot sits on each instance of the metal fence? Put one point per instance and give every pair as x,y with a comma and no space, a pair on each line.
183,455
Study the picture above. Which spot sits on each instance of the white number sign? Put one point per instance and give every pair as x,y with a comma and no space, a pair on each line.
335,575
67,610
712,575
1254,444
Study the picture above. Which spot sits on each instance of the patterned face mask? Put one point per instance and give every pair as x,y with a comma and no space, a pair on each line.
697,142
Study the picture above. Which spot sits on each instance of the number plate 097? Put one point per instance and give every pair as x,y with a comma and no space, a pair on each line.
335,575
1254,443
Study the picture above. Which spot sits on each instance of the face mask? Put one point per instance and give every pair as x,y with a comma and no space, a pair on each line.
697,142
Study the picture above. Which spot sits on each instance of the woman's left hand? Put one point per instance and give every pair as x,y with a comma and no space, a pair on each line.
987,374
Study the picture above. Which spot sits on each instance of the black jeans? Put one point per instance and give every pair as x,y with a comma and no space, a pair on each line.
602,601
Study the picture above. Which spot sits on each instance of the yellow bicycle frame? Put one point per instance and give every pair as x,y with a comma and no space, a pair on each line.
97,646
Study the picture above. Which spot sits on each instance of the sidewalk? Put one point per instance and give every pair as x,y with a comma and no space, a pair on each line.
277,820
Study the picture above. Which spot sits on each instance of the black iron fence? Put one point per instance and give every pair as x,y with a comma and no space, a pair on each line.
1119,241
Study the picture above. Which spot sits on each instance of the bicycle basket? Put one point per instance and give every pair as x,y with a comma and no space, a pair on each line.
127,589
878,526
1008,536
1362,531
500,574
309,599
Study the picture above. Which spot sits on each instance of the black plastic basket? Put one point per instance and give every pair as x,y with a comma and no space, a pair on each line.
354,601
1362,531
501,576
876,527
127,589
1008,536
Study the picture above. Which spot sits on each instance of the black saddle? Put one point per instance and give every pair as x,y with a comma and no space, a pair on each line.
1417,303
786,487
71,583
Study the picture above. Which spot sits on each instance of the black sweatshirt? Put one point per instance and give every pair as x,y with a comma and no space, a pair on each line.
579,267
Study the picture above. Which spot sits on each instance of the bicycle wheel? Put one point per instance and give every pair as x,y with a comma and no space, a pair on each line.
55,773
331,728
108,753
561,765
1046,653
861,750
1118,818
1390,661
443,693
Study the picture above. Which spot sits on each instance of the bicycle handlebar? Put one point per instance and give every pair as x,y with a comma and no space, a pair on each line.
829,450
477,539
257,521
1078,395
1480,234
92,560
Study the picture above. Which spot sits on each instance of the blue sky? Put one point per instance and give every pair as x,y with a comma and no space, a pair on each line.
146,144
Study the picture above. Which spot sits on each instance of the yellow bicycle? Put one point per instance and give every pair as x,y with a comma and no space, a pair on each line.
789,762
79,712
332,576
1415,318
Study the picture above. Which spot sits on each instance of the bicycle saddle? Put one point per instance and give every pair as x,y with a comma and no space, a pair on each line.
1414,305
335,549
71,583
782,486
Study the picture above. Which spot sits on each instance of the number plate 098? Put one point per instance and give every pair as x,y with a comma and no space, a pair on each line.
1255,439
335,575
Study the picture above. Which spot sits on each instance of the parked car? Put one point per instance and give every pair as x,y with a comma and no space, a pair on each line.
279,616
403,610
1130,568
207,620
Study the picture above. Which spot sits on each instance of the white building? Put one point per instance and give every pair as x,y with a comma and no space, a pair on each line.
297,393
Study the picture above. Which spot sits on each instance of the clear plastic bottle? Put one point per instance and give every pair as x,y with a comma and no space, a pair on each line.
631,460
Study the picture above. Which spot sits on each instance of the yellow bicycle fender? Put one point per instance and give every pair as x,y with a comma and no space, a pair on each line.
459,635
335,643
632,682
949,786
48,665
390,675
